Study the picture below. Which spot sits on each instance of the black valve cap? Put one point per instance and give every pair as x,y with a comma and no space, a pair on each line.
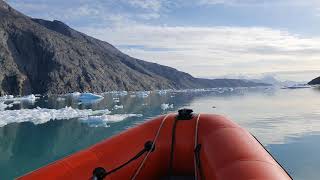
99,173
185,114
148,146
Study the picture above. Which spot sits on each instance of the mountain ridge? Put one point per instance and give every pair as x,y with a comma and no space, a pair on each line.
48,57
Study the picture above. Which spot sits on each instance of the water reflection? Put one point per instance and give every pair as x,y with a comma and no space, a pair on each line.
299,156
286,121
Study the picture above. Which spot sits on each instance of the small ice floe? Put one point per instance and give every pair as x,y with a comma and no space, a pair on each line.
3,106
90,98
102,120
43,115
220,90
6,97
30,98
116,99
163,92
61,99
117,93
166,106
118,107
17,100
74,94
86,97
143,94
122,93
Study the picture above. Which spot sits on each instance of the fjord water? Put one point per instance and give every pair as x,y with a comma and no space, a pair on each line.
287,122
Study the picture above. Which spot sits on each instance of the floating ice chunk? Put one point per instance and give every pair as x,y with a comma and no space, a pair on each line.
102,120
86,97
120,117
10,105
61,99
116,99
143,94
16,102
6,97
90,96
163,92
117,93
74,94
3,106
30,98
123,93
118,107
42,115
166,106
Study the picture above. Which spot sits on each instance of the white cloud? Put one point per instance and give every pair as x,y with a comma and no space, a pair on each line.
261,2
154,5
214,51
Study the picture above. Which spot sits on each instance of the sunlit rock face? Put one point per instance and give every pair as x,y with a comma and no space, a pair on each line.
40,57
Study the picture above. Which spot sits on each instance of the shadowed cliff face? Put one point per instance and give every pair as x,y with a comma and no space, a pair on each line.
315,81
39,56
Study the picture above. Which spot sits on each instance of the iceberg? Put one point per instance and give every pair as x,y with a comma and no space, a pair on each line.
110,118
30,98
118,107
3,106
166,106
143,94
43,115
85,97
102,120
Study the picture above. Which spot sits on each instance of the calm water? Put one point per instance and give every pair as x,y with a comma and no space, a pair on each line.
287,122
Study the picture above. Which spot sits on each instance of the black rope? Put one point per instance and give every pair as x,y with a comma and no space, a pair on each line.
198,163
100,173
173,141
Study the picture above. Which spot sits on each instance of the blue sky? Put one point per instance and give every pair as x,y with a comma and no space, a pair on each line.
207,38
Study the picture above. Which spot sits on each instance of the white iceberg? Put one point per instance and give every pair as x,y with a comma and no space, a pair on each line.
3,106
30,98
85,97
110,118
166,106
116,99
118,107
42,115
143,94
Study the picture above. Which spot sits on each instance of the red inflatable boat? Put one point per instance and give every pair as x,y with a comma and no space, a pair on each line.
175,146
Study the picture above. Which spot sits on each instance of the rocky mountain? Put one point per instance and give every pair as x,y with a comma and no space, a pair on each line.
40,56
315,81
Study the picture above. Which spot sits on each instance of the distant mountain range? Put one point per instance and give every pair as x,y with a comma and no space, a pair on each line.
269,79
40,56
315,81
